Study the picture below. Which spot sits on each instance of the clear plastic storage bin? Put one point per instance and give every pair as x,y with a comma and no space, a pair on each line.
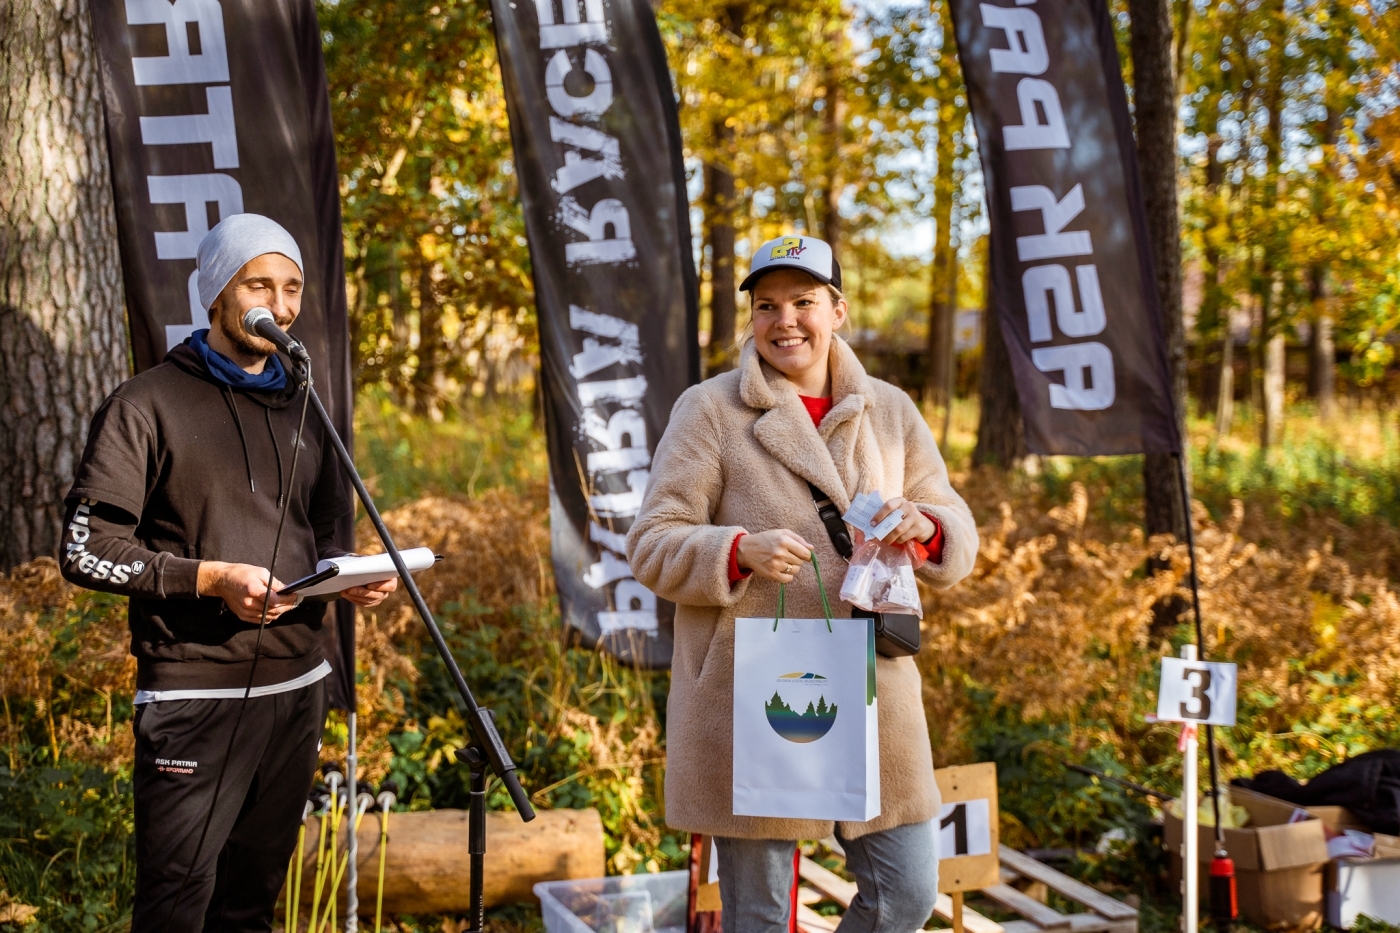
653,903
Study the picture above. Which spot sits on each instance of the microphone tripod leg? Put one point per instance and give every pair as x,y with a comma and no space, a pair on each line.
475,759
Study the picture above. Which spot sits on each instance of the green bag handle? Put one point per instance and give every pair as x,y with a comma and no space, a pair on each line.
782,596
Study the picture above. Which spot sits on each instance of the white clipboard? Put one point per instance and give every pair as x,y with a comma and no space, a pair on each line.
337,574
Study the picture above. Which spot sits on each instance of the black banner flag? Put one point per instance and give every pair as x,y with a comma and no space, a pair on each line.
217,107
598,154
1072,279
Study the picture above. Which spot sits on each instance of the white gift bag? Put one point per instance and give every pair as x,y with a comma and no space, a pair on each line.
806,736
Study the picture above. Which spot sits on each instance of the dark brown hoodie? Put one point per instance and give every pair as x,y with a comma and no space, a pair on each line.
181,468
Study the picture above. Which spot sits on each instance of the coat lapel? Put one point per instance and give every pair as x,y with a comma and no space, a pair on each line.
847,430
840,460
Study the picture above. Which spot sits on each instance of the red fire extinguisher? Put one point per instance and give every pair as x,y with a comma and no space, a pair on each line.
1224,904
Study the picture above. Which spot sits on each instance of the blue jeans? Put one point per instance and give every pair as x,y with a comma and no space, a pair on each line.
896,880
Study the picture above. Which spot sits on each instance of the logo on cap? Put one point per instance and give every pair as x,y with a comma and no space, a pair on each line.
790,247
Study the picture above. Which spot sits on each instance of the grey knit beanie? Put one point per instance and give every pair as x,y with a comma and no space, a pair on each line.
235,241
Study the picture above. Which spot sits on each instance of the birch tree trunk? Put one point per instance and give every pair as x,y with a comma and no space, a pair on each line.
1271,434
1225,404
63,339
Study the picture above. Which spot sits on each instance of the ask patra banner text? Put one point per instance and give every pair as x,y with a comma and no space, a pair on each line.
1072,283
597,151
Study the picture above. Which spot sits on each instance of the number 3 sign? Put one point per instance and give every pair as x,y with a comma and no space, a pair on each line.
1197,691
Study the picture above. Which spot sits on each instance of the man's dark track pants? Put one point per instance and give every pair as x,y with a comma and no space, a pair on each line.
180,745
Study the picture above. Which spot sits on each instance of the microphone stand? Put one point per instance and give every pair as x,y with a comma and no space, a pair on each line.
487,751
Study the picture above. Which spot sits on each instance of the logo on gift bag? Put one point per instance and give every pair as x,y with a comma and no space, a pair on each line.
809,725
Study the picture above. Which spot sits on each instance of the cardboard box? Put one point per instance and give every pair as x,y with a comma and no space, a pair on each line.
1337,819
1358,886
1368,886
1279,866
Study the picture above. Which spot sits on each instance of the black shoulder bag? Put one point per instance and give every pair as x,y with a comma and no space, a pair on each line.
896,634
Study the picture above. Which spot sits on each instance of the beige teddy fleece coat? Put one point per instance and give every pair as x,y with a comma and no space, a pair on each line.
737,456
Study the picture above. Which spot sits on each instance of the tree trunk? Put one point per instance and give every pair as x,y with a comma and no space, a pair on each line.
1001,436
432,349
1214,315
1322,364
1272,432
1225,404
938,378
63,340
941,379
1322,350
718,204
831,133
1271,348
1154,96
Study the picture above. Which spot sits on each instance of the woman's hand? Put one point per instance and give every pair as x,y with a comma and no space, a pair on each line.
774,555
371,594
916,525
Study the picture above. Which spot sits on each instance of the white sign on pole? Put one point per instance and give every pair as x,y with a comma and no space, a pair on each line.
965,828
1200,692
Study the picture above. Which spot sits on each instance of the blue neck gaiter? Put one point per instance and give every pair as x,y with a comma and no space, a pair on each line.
271,379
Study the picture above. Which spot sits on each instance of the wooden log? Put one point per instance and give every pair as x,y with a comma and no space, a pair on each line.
427,867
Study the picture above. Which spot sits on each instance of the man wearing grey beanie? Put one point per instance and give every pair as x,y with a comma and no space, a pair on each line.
176,505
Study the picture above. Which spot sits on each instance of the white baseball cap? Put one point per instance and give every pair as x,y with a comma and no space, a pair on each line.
807,253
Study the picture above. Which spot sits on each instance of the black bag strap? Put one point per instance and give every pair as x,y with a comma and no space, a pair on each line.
831,520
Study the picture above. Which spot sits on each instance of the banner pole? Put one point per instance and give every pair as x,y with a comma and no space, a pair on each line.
1211,756
1190,854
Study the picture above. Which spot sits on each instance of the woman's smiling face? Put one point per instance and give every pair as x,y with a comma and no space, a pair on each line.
793,320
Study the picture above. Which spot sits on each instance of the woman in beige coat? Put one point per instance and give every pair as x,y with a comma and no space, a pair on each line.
729,516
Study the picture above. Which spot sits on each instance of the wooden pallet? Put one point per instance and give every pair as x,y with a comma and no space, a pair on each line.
1104,914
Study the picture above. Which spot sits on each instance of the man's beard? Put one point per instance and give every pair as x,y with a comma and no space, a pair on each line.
243,341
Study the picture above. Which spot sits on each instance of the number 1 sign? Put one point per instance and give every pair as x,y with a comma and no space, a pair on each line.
968,831
1200,692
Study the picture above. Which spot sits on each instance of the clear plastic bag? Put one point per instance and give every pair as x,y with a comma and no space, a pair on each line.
881,579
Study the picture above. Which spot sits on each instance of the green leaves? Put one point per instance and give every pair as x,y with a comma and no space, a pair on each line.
67,846
1286,202
435,248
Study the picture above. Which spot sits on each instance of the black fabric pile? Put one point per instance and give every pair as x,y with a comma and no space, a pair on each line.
1367,785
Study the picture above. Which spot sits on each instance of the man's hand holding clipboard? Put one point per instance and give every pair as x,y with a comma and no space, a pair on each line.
364,581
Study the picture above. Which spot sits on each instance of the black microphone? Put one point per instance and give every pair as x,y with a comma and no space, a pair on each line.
260,323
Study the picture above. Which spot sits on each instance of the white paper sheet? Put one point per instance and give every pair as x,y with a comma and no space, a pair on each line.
863,509
359,571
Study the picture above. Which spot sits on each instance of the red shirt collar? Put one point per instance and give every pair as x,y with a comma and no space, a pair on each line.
816,407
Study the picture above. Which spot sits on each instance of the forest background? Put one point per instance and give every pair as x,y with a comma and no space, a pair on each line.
848,122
